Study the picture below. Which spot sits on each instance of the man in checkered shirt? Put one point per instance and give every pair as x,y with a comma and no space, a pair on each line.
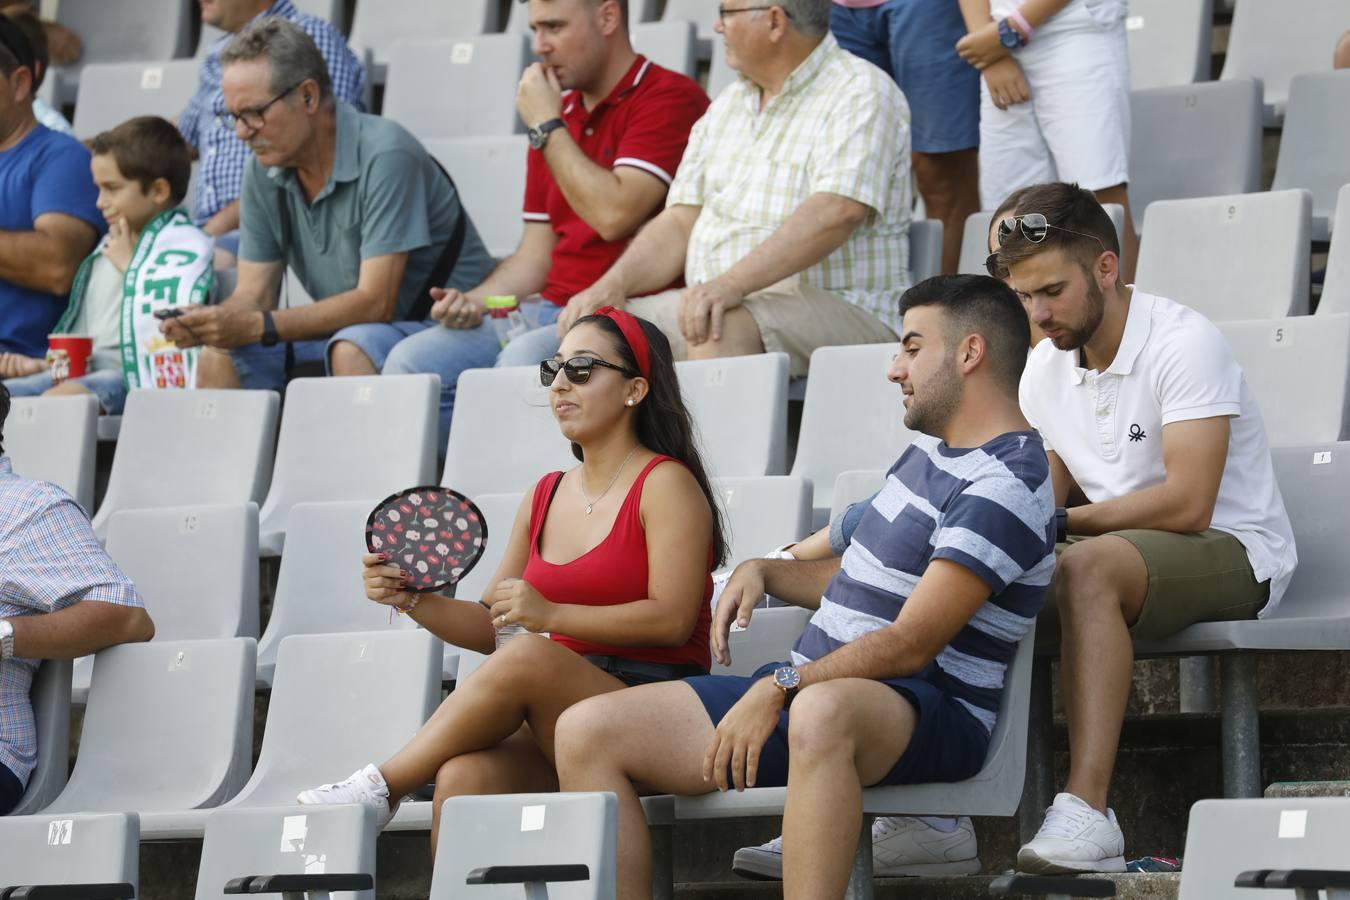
789,214
215,208
61,597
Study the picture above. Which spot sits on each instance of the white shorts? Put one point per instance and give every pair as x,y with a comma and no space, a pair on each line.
1076,127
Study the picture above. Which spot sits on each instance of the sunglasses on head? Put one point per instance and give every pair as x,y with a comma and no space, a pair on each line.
1034,228
577,369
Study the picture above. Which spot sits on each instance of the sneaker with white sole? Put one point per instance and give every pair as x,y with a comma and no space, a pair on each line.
364,786
900,846
1074,838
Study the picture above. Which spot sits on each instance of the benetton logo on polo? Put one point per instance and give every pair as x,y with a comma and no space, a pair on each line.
1137,433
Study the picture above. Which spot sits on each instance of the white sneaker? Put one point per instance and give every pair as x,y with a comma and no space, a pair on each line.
900,846
365,786
1074,838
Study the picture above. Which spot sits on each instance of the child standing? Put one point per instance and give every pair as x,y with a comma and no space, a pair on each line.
152,258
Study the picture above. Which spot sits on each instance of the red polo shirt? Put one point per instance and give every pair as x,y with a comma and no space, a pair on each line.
643,123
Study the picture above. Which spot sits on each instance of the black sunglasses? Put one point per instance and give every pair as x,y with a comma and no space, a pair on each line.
577,369
1034,227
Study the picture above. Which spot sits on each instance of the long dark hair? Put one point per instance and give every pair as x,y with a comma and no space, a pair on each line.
663,422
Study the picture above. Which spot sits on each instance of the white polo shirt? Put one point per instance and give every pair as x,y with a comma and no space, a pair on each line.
1173,365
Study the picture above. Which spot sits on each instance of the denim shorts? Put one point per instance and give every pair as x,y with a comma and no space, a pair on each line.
107,385
948,744
264,368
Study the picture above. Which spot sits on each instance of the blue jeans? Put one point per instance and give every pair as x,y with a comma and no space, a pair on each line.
539,344
264,368
449,351
107,385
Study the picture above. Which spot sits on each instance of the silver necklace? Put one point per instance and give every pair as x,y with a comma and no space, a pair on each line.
581,481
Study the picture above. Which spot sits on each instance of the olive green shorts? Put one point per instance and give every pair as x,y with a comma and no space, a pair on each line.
1202,577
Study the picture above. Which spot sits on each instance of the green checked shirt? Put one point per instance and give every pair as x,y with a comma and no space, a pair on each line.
840,126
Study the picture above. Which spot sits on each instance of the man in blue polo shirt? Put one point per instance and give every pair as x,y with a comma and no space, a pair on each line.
48,217
898,677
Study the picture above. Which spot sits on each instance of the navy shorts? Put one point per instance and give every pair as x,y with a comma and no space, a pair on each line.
949,744
914,42
11,790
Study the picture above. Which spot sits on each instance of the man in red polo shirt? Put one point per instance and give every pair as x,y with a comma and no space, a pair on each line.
607,131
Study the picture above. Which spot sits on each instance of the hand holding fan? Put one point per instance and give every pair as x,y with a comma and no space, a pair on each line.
434,534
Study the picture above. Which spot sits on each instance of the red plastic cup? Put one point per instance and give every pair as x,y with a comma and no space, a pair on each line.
68,355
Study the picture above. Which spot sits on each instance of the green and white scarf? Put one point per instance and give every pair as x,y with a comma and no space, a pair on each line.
171,266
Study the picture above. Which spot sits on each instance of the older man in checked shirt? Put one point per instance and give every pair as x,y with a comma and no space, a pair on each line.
60,597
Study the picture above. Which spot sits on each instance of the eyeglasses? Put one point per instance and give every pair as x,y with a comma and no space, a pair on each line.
1034,228
723,12
253,118
577,369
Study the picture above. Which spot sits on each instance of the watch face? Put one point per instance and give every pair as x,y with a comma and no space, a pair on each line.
787,677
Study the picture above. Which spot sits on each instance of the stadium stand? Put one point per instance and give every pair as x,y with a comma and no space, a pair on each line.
1168,43
719,73
763,513
114,92
854,486
1315,143
1243,256
121,32
332,11
703,15
639,11
925,249
193,448
54,439
377,25
673,45
50,698
768,638
1271,43
349,439
739,405
1336,287
476,85
48,856
489,174
531,840
1213,146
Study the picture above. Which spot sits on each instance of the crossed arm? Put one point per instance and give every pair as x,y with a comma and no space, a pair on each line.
46,258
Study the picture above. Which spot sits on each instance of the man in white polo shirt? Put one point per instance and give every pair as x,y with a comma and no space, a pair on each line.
1159,452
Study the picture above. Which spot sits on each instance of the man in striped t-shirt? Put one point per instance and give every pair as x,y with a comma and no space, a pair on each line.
900,671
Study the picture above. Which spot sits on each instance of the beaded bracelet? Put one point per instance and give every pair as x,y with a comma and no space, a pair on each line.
406,608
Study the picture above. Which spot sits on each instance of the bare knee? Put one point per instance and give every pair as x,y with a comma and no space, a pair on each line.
216,370
66,389
1083,583
346,358
468,775
584,735
740,337
946,178
820,725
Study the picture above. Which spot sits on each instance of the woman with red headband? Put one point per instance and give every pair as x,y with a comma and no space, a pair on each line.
611,559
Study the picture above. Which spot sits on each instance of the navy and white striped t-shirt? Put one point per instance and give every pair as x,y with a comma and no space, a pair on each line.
990,509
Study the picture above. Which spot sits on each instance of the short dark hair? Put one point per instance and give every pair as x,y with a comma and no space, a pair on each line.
146,149
1079,225
4,414
31,26
978,304
16,49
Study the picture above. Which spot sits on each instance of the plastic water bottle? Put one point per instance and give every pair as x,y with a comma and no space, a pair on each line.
506,318
507,632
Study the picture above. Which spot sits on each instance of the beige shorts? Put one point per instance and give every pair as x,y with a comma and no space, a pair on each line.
792,318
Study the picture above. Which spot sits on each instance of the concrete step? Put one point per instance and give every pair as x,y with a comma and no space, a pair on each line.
1295,789
1128,887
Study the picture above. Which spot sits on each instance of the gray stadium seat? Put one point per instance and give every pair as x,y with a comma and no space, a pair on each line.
975,237
489,174
719,73
1168,41
50,697
168,727
853,487
1244,256
350,439
1227,837
121,32
1272,43
111,93
527,830
1213,144
672,45
328,10
925,249
475,82
491,405
54,439
319,587
70,850
1315,143
638,11
1297,369
702,13
852,418
762,513
379,24
770,637
739,407
499,512
287,840
1336,287
191,448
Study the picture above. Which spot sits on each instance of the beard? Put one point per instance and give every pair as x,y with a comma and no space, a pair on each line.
941,398
1074,338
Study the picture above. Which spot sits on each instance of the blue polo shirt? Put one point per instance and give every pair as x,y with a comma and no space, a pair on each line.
44,173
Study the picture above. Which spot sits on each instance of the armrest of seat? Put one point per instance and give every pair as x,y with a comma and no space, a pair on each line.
1252,878
280,884
112,891
1040,886
1308,879
527,874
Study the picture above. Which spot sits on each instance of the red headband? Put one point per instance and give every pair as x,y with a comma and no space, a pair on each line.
632,333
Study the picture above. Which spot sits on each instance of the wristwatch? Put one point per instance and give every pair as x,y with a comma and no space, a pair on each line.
269,336
787,679
539,134
6,639
1010,37
1061,525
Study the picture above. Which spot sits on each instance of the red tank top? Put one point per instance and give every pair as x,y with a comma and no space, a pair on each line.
614,572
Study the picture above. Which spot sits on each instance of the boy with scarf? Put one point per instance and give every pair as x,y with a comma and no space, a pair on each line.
153,258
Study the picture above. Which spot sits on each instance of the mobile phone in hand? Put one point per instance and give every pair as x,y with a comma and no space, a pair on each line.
168,312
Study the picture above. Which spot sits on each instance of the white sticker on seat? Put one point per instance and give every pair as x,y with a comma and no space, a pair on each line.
59,832
461,54
1293,823
293,831
532,818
